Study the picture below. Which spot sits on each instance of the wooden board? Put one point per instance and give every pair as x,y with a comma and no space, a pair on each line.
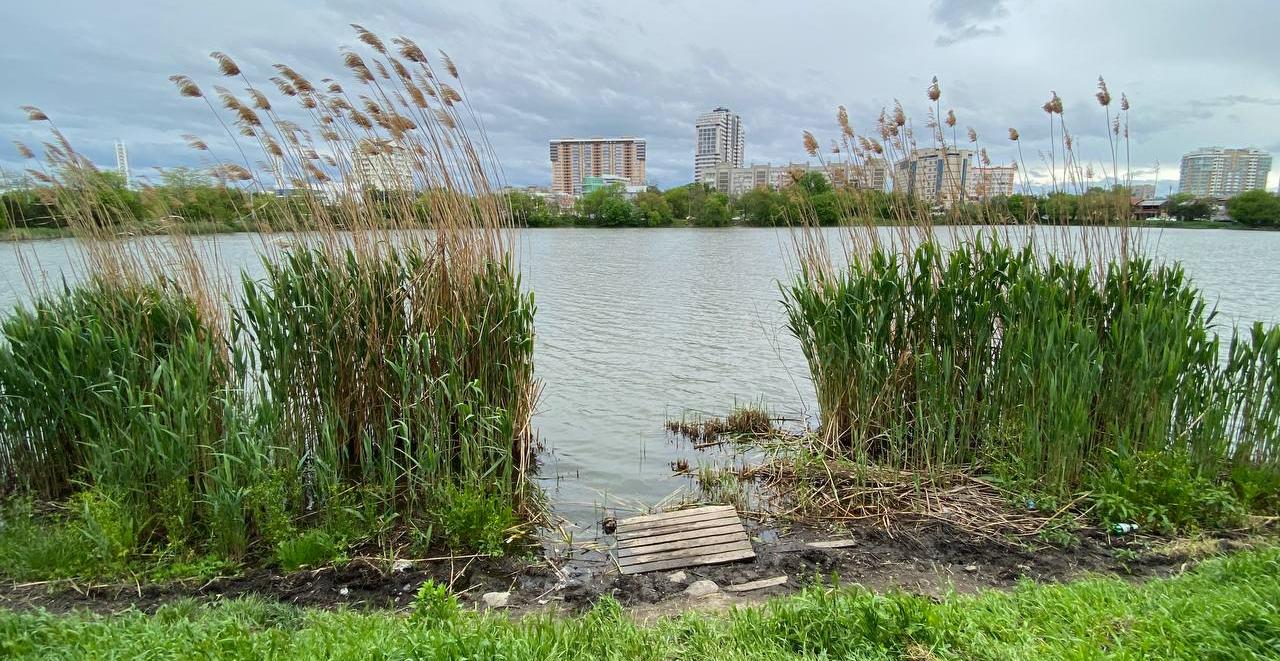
757,585
699,536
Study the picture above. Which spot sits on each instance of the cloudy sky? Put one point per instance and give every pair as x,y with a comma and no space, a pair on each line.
1198,73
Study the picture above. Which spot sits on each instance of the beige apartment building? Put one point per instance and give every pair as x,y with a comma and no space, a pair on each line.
575,159
986,182
938,176
736,181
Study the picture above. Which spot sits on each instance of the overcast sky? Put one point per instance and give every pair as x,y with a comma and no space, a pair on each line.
1198,73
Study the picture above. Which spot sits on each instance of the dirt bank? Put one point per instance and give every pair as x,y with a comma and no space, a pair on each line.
924,558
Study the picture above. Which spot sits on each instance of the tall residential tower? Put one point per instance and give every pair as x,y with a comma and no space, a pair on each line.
1223,173
721,141
575,159
122,164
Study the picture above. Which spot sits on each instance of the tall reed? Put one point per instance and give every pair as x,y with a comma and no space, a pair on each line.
379,378
1046,353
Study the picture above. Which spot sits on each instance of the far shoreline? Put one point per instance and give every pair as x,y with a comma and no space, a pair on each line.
15,235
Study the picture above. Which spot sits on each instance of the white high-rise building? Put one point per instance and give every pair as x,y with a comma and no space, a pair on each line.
721,141
122,164
382,166
1223,173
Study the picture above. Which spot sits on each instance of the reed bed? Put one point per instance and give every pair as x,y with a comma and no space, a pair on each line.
374,388
1062,360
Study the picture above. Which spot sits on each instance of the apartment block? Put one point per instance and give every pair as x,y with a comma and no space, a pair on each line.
936,175
383,166
988,181
575,159
1223,173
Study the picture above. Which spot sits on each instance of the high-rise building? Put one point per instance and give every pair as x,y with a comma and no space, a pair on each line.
122,164
383,166
988,181
1223,173
575,159
935,175
721,141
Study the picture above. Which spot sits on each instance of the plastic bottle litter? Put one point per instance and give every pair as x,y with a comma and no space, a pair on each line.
1124,528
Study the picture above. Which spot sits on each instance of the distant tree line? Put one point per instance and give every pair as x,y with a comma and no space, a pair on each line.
189,196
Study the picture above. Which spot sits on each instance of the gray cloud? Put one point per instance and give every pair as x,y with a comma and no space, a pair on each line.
964,20
540,70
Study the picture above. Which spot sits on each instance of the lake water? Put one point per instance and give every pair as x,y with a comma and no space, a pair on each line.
639,326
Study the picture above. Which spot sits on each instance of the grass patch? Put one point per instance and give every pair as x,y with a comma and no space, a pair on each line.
1224,608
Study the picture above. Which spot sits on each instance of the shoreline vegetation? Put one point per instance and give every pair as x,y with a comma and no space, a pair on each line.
1039,383
372,390
213,228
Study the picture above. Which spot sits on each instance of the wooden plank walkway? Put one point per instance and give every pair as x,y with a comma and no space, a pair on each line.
699,536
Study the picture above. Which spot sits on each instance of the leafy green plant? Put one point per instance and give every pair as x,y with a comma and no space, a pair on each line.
474,520
434,605
1161,491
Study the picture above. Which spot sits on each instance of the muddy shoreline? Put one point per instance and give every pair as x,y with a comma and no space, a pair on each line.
927,558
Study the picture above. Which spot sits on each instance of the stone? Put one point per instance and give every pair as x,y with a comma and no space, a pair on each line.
495,599
401,566
678,577
701,588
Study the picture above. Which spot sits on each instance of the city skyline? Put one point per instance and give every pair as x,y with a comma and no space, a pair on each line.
1197,88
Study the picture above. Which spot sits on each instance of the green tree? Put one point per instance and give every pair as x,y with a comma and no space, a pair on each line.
826,207
813,183
606,207
1255,208
653,208
27,208
678,201
1057,208
1019,207
1185,207
531,211
714,211
762,207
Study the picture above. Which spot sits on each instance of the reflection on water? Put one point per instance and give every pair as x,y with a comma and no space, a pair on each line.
636,326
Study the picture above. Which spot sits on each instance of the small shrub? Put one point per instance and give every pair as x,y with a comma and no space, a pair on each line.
434,604
107,525
473,520
309,549
1161,491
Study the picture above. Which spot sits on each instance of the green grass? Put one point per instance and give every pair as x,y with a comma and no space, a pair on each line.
1052,374
1227,608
